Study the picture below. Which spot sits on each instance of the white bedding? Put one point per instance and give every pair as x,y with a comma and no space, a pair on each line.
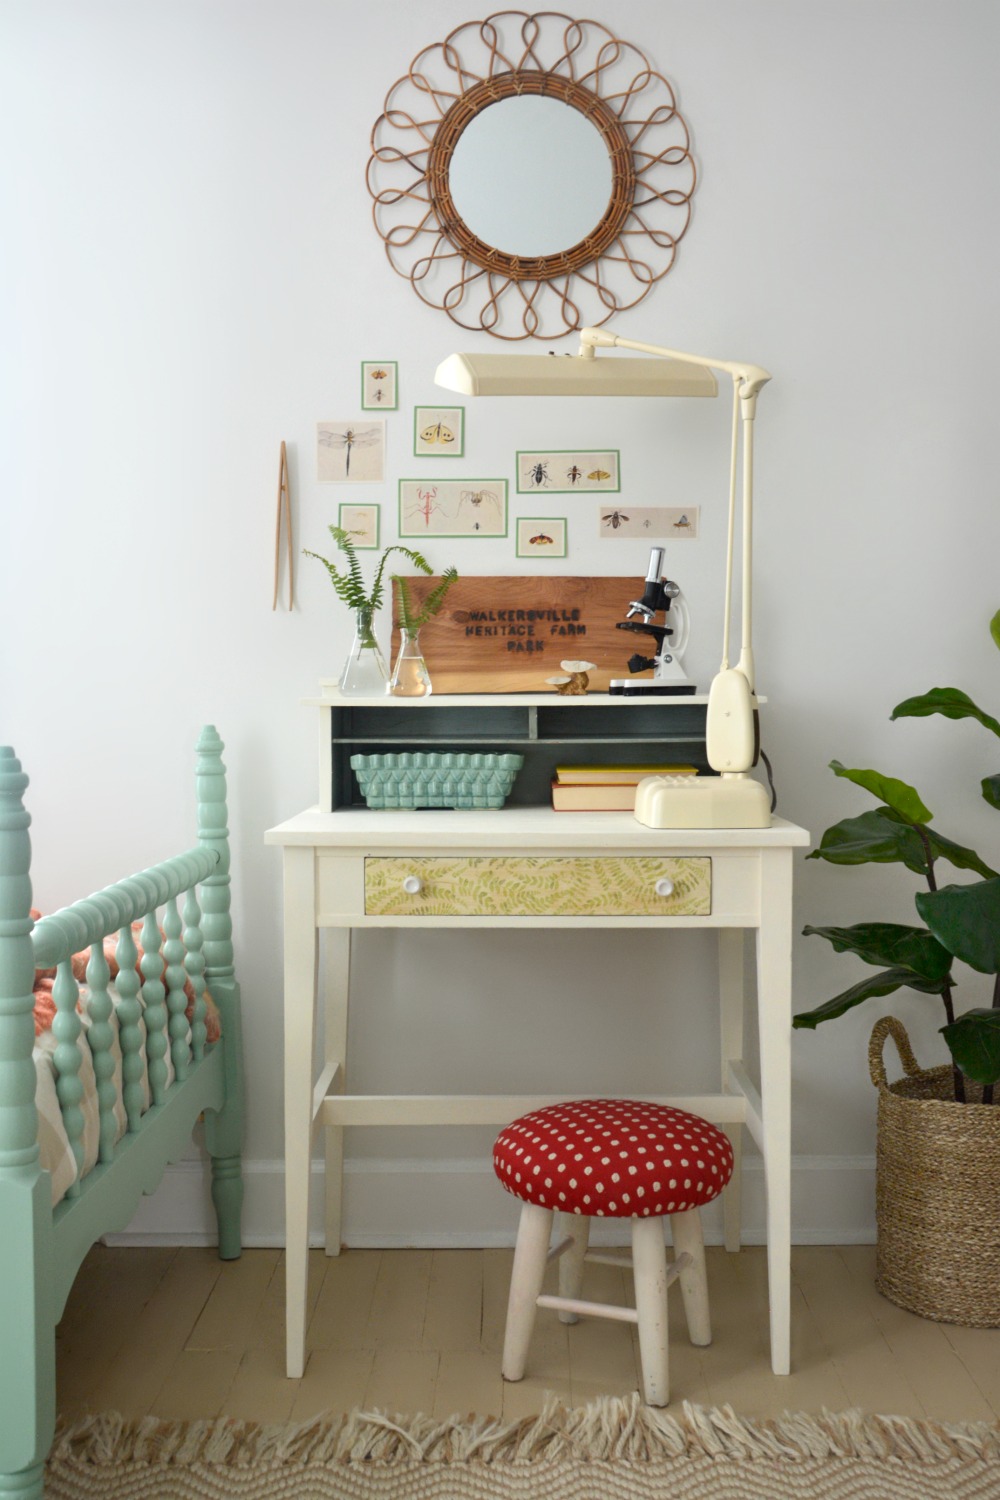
56,1153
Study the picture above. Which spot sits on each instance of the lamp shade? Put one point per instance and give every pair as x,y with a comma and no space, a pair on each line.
571,375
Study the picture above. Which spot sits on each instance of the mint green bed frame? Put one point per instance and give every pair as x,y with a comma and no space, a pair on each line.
41,1249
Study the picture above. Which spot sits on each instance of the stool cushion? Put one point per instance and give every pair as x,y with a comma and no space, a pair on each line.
613,1158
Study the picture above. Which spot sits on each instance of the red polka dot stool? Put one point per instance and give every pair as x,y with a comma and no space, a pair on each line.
611,1159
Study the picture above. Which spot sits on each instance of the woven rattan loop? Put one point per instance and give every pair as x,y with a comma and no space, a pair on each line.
890,1026
550,86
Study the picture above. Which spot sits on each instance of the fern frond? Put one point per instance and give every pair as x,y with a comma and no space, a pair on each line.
409,620
415,558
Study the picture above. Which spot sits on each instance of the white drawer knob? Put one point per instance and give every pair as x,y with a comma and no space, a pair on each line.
413,885
664,886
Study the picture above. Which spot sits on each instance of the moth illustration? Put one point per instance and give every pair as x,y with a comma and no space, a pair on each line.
598,474
540,540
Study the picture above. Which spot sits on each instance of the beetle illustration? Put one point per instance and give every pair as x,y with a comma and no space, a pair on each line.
538,474
615,519
574,474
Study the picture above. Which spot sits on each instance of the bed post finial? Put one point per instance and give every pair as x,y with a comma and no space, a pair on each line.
18,1123
212,831
224,1129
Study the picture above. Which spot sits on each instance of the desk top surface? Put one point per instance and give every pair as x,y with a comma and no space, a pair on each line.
433,829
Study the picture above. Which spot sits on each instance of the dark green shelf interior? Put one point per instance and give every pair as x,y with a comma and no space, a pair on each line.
546,736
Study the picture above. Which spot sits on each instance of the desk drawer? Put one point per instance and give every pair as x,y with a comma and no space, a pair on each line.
527,887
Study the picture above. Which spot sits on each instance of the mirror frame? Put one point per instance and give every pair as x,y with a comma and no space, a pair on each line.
584,65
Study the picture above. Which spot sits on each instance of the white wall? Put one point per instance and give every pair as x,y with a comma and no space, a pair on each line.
190,274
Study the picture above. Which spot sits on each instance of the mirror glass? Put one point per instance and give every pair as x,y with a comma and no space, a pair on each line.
530,176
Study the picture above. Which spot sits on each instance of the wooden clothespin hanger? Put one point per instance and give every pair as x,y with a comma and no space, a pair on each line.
284,508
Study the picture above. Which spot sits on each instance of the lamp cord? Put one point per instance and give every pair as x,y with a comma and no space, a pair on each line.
770,779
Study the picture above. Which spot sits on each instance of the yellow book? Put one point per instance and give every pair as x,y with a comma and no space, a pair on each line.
616,775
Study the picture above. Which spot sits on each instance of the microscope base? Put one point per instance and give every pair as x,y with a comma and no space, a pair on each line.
628,687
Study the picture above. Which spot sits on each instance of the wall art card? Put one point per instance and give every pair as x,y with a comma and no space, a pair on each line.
350,451
362,521
653,521
567,472
439,431
541,536
379,385
452,507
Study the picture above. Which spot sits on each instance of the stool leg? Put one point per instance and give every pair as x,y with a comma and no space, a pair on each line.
533,1234
686,1230
649,1267
577,1226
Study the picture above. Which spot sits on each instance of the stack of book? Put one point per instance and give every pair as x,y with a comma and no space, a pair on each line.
604,788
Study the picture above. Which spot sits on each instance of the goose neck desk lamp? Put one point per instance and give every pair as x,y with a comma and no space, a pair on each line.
733,799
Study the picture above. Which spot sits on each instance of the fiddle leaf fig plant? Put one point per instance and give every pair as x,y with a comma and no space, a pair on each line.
961,921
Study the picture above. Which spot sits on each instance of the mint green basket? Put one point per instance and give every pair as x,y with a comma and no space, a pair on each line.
434,779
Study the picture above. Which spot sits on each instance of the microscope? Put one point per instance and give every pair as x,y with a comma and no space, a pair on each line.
671,639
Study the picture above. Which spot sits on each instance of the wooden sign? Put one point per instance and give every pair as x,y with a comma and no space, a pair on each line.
508,634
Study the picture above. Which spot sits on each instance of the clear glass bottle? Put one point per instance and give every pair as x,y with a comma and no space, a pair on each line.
410,677
365,674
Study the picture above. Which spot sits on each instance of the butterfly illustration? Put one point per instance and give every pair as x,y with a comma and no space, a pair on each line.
540,540
437,433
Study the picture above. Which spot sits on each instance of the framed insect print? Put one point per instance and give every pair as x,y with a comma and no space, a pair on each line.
452,507
362,521
567,472
648,520
350,451
379,385
439,431
541,536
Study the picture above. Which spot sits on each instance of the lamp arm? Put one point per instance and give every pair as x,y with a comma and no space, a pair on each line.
750,378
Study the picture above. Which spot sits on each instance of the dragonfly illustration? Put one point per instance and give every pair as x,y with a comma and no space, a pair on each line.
345,439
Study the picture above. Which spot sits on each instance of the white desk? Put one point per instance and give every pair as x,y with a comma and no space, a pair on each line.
337,876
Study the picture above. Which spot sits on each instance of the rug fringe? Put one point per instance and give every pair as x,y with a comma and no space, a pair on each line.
609,1429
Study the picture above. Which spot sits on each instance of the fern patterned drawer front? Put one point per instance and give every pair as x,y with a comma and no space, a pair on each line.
602,886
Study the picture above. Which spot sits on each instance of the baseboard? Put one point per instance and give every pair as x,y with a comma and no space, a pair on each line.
457,1203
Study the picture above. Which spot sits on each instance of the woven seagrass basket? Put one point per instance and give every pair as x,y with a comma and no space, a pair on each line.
937,1192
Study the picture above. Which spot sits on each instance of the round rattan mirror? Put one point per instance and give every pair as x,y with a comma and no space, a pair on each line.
531,175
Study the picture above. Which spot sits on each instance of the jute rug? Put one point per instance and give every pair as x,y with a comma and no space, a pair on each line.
610,1450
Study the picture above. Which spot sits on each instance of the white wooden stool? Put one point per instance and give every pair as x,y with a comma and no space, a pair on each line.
613,1159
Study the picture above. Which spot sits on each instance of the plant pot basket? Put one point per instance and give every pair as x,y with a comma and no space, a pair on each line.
937,1193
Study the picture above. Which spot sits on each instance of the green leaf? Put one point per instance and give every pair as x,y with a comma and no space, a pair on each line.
902,798
912,948
991,790
966,920
958,855
872,838
974,1042
866,989
951,702
995,628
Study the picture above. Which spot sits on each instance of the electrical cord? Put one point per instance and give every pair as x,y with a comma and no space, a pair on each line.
770,779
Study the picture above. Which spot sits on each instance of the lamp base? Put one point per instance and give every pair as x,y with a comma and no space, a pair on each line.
736,801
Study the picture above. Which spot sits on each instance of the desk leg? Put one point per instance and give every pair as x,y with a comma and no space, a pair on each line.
336,993
300,1027
731,1012
774,1010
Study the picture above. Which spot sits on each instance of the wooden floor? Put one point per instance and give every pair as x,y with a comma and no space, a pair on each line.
182,1335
